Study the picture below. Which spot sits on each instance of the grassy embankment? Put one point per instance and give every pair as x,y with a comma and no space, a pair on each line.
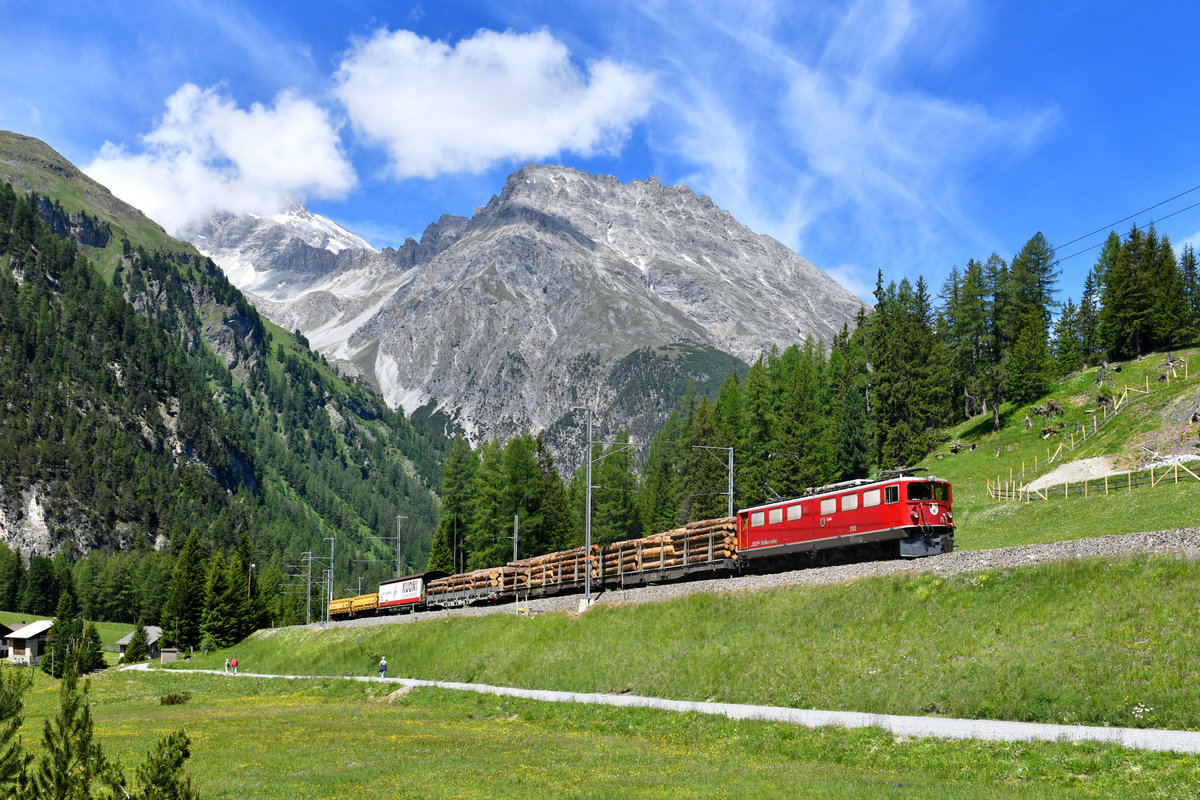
271,739
1100,642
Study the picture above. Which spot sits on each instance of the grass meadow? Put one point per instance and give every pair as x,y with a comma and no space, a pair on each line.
1093,642
271,738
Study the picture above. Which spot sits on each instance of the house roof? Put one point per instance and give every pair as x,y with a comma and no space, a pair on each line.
153,632
31,630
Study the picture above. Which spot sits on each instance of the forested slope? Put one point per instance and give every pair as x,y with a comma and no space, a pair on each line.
139,406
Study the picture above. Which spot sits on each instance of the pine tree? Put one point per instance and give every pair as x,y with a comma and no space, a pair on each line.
1029,361
71,758
1191,292
487,520
138,649
184,607
614,500
1126,314
1169,312
220,613
441,557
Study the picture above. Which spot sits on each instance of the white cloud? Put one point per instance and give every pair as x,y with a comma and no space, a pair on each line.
439,108
208,155
855,279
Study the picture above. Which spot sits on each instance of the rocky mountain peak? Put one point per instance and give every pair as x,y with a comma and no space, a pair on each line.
506,319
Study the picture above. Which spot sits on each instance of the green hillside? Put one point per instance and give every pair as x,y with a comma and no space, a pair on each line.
147,399
1156,418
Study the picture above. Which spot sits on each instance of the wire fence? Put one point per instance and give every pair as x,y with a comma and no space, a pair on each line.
1109,484
1002,488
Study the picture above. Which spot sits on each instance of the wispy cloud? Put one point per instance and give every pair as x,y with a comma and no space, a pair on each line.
796,116
207,154
440,108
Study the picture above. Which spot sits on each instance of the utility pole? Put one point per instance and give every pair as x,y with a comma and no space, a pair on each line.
308,588
329,594
587,518
398,518
388,540
516,528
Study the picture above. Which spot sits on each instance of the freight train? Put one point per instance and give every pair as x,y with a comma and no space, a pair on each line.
898,515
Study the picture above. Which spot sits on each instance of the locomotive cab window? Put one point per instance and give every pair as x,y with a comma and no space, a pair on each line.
828,505
849,502
891,494
757,519
870,498
920,491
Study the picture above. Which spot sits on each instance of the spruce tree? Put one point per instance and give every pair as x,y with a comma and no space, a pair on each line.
1190,276
704,475
184,606
614,500
486,522
1029,361
1088,324
219,621
1169,312
138,649
441,557
1067,343
659,499
555,532
1126,314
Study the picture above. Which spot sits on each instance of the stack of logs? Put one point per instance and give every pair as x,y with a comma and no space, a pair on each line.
478,580
565,567
697,542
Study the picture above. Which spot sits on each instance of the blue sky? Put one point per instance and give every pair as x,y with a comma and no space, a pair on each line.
902,136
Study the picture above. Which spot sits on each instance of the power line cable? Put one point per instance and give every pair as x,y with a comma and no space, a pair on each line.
1160,219
1110,226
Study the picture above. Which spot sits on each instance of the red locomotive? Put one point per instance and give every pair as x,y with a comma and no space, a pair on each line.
913,511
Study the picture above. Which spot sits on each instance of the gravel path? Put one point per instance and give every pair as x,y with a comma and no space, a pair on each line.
1183,542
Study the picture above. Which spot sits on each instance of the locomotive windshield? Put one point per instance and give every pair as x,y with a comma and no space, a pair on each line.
929,491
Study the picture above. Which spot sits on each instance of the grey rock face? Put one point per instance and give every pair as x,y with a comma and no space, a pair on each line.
493,318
